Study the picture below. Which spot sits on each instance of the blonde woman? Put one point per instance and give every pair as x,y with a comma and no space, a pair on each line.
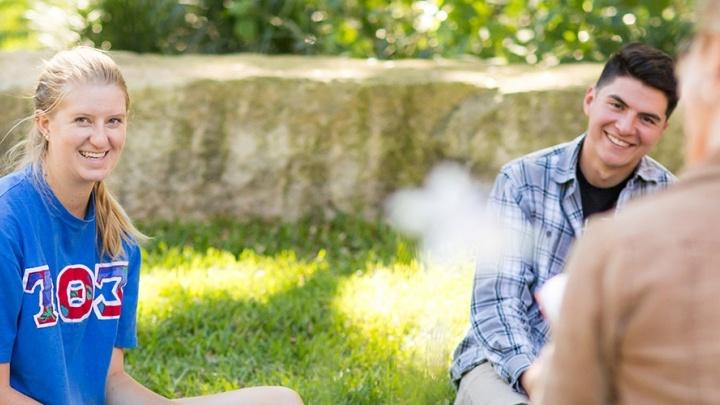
69,260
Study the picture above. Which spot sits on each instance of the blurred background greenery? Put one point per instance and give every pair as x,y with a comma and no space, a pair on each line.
510,31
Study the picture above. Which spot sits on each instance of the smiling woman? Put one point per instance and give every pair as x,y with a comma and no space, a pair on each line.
70,257
85,137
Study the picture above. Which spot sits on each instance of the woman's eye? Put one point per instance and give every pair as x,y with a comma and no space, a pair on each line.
82,120
115,122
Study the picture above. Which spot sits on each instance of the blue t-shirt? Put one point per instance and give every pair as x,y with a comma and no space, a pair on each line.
62,307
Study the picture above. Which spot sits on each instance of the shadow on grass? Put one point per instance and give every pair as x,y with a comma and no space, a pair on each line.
345,238
295,338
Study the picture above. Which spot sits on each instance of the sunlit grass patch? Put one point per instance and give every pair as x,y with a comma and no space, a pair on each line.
340,311
184,272
420,312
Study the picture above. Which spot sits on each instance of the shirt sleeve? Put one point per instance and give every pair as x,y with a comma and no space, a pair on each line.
11,292
127,327
501,292
576,371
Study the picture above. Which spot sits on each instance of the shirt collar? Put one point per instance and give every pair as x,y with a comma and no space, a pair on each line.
648,170
567,161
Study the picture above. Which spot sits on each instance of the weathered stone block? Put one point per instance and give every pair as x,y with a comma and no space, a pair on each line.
283,137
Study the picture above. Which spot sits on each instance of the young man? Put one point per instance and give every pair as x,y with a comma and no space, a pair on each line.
638,324
543,200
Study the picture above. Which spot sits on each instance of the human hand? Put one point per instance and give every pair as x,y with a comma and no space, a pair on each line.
550,296
532,379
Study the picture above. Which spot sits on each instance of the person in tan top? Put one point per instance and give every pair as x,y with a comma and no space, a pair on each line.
640,321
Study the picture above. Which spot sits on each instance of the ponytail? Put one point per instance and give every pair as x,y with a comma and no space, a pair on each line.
113,225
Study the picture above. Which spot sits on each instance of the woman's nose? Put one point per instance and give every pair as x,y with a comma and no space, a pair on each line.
99,136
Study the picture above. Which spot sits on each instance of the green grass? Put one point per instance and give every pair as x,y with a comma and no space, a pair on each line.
340,311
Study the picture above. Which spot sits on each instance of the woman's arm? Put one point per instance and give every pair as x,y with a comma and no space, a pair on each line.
123,389
8,396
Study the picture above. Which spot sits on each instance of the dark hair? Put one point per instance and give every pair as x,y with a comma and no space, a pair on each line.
651,66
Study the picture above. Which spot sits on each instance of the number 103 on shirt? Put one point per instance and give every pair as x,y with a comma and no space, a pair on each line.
79,292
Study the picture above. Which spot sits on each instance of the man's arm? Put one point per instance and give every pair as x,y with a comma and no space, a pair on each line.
576,372
8,396
122,389
501,293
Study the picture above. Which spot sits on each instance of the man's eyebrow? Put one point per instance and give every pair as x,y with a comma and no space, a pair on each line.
618,99
645,114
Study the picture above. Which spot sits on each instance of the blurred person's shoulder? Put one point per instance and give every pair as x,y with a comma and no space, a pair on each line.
650,229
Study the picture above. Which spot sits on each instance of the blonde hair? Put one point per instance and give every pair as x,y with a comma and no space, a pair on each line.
80,65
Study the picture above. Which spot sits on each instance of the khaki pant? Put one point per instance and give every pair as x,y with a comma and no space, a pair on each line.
482,386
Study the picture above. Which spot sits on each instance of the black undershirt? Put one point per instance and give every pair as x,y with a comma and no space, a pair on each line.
594,199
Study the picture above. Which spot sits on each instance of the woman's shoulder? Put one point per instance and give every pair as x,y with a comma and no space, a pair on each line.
17,191
14,182
16,212
132,250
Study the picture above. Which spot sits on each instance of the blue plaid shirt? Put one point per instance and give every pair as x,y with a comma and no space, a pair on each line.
537,199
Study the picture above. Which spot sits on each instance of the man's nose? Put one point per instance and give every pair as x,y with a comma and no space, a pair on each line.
626,123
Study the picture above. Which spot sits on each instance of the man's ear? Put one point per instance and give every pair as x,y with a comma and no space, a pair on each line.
588,99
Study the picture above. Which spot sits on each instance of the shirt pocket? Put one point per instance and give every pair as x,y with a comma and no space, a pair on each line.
551,250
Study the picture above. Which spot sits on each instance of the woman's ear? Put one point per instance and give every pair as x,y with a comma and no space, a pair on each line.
42,122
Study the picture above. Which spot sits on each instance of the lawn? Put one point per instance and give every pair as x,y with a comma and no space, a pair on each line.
341,311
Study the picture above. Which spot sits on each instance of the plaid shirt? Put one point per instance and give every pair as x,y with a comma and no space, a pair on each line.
537,199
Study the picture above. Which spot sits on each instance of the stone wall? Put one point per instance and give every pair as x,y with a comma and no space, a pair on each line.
283,137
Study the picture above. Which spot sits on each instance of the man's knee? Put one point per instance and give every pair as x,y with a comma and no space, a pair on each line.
482,386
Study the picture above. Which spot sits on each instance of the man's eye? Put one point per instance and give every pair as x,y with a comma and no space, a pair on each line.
648,120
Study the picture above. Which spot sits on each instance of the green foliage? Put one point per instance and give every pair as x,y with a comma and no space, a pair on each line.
164,26
524,31
138,25
529,31
14,30
340,311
